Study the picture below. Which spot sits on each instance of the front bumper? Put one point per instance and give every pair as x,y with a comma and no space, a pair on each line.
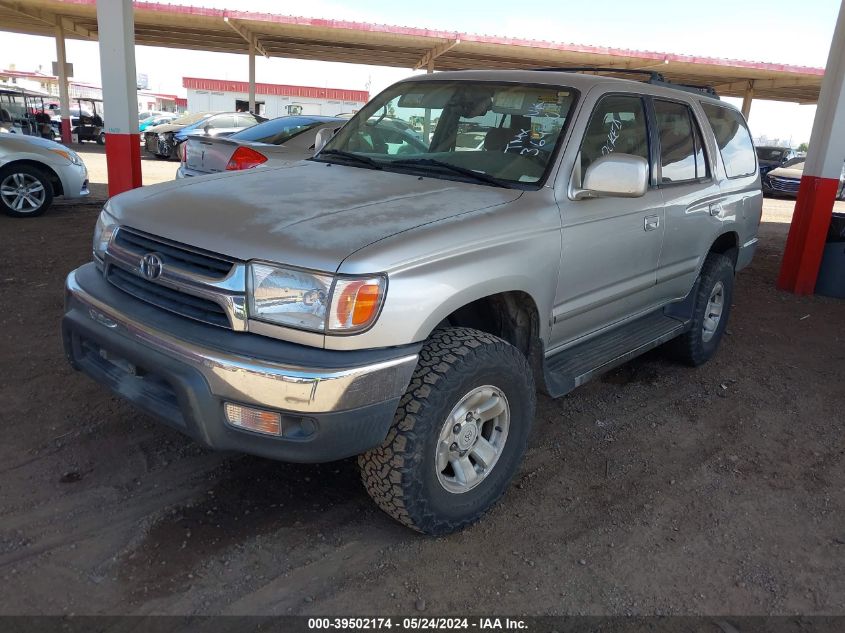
333,404
74,180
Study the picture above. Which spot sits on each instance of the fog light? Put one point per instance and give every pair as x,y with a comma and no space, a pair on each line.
254,419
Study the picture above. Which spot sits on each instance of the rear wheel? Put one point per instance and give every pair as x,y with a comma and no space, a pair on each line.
101,139
24,191
458,436
710,313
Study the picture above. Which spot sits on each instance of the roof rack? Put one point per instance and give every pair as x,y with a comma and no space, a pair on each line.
655,78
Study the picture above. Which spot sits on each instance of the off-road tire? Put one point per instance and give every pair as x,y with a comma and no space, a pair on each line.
400,474
690,348
32,172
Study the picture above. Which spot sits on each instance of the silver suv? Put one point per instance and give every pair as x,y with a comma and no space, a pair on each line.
402,295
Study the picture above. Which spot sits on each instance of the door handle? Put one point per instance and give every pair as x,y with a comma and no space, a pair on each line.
715,208
651,222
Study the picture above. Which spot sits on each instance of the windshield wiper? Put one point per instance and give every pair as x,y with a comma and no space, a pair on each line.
364,160
463,171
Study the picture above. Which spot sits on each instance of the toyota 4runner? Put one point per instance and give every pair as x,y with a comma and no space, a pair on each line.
465,240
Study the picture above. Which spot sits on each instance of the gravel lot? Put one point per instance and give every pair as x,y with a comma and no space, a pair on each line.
658,489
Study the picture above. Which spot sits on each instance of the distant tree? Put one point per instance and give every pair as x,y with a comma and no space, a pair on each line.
802,147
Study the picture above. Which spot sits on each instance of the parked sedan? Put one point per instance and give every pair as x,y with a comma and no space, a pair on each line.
785,181
158,119
770,157
274,142
163,141
34,170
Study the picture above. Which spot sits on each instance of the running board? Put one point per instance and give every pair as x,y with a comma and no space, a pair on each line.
576,365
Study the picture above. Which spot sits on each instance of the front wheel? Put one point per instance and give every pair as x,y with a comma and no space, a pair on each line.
710,312
24,191
459,433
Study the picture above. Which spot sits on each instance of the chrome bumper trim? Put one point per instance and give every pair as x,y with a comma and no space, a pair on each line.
253,381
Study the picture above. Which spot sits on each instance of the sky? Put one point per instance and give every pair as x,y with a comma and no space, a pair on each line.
777,31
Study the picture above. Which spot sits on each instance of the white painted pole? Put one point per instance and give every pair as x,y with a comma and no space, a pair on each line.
116,32
64,94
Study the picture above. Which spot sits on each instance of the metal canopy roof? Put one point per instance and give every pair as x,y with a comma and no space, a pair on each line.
198,28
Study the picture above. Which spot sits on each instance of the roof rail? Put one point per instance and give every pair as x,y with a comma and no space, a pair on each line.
653,74
655,78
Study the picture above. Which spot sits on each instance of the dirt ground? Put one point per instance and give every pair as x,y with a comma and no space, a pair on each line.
658,489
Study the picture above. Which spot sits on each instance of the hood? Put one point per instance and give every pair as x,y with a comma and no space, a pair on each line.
795,172
307,214
167,127
28,143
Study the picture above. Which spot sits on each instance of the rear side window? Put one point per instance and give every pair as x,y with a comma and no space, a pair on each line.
278,131
681,150
733,139
224,121
618,124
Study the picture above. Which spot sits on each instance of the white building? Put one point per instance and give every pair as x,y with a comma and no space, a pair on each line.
38,81
271,100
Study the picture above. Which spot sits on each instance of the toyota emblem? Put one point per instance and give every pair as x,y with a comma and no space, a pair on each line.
151,265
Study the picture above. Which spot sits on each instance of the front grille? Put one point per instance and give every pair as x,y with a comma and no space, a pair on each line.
787,185
168,299
191,260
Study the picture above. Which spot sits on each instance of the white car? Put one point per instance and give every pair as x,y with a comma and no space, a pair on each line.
34,170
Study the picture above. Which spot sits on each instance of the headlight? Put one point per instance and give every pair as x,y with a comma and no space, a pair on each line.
103,232
314,301
68,154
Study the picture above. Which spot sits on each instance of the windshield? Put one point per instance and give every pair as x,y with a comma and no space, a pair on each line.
500,132
770,153
278,131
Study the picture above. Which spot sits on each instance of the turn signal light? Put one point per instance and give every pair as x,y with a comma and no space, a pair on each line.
245,158
256,420
357,303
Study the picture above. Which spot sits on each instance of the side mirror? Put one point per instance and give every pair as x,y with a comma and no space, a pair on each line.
323,137
206,128
614,175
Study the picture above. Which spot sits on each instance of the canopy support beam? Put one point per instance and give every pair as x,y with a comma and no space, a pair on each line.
428,59
747,99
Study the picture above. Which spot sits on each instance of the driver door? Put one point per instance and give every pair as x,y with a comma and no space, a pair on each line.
610,245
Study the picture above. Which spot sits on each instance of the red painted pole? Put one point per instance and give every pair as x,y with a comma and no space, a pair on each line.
116,33
65,130
822,170
123,161
807,235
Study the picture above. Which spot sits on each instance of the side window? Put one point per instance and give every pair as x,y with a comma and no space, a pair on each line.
618,124
225,121
681,148
733,139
